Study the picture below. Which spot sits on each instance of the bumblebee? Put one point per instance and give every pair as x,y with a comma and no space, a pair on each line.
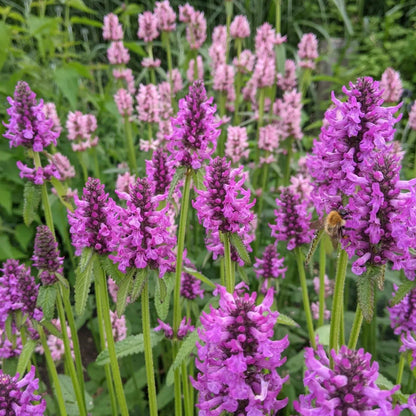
333,225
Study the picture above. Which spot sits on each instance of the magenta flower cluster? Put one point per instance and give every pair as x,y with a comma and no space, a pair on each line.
143,234
46,256
238,358
293,220
224,206
195,130
160,171
94,220
17,396
346,389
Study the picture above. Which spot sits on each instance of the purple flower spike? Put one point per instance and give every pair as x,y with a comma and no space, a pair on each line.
293,221
160,171
17,397
94,220
270,266
18,292
348,389
195,130
352,133
28,125
237,358
409,344
403,315
411,404
144,239
225,205
46,255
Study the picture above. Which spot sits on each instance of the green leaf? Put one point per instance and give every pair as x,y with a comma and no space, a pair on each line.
133,344
135,47
86,22
179,174
323,334
66,79
286,320
31,199
68,393
343,12
112,270
6,191
46,300
238,244
123,291
199,276
138,283
198,177
80,5
25,356
185,350
84,275
163,290
51,328
24,235
402,291
366,299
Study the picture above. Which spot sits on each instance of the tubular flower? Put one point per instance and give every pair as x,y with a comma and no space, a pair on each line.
391,85
94,220
412,117
119,326
308,50
240,28
225,205
293,221
28,125
329,285
265,40
166,17
196,30
9,348
186,13
46,255
236,147
126,74
63,166
269,267
81,128
38,175
144,239
18,292
264,73
289,111
124,102
353,132
117,54
190,73
237,358
403,315
177,83
148,103
409,344
184,328
148,23
195,130
245,63
224,81
411,404
112,29
160,171
378,228
349,388
288,81
49,109
17,397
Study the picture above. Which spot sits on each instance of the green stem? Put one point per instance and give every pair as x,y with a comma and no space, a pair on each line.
45,199
131,155
400,368
152,70
221,139
229,14
68,359
53,373
305,297
179,257
102,291
177,290
288,160
186,393
322,263
148,355
107,369
96,164
74,334
150,135
356,327
80,156
338,300
262,97
229,275
166,41
278,16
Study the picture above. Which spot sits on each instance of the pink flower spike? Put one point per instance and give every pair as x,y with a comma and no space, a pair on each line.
166,17
117,54
240,27
148,24
391,85
112,29
124,102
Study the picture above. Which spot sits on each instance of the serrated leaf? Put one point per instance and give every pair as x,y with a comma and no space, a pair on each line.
323,333
199,276
402,291
133,344
366,299
112,270
163,290
238,244
68,394
138,283
179,174
25,356
83,282
185,350
31,199
286,320
123,292
198,177
85,258
51,328
46,300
